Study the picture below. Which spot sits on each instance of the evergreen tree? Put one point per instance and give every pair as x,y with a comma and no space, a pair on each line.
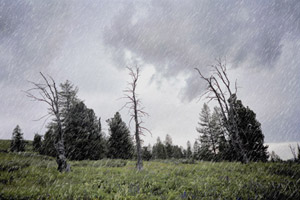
218,139
215,131
169,146
189,153
212,135
67,98
17,142
274,157
119,143
249,132
82,134
48,147
196,150
82,137
177,152
205,131
146,152
159,150
37,142
103,146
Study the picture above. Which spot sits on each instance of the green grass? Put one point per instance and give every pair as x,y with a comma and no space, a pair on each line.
5,145
31,176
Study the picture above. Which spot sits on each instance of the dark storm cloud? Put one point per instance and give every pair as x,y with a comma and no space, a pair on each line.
77,40
60,38
177,36
31,34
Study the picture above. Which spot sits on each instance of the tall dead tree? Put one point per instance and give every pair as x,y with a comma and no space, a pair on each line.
48,93
219,89
136,111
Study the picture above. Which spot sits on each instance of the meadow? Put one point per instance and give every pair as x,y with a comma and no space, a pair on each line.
28,175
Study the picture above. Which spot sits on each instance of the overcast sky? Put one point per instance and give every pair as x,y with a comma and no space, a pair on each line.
91,42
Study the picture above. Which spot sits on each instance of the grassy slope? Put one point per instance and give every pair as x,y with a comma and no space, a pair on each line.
5,145
31,176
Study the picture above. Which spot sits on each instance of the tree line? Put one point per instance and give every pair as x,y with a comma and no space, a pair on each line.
120,145
217,144
60,107
83,136
231,132
238,136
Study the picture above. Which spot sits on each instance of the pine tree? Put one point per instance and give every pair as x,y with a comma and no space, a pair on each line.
48,147
146,152
169,146
82,134
218,136
177,152
205,131
196,150
119,143
102,142
159,150
17,142
67,98
274,157
189,153
212,135
82,137
249,133
37,142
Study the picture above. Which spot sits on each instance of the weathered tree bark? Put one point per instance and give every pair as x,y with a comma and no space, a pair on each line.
136,112
139,164
48,94
215,91
61,159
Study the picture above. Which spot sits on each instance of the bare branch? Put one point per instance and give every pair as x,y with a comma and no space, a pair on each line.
135,110
48,93
216,82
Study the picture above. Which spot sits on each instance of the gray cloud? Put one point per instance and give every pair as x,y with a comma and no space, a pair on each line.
79,40
177,36
32,33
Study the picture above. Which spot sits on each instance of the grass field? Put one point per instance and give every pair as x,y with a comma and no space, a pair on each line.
31,176
5,145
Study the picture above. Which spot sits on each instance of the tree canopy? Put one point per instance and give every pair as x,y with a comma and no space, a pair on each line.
119,143
17,142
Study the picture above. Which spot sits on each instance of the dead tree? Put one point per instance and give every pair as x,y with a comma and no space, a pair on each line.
48,93
136,111
219,89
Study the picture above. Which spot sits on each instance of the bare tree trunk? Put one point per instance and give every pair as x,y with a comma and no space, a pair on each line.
61,159
139,164
48,94
136,113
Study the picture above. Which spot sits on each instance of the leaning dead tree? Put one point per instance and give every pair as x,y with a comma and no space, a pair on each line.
48,93
136,111
219,89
